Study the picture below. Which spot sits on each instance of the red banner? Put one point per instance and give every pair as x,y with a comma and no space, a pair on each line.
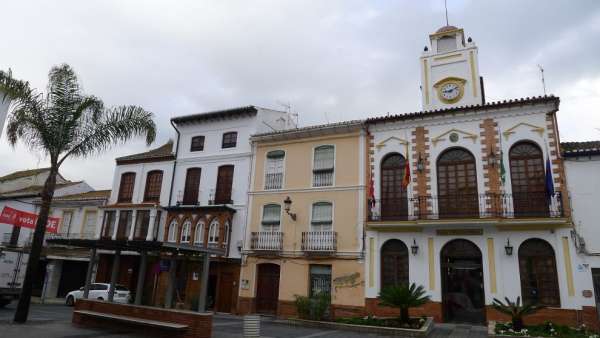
25,219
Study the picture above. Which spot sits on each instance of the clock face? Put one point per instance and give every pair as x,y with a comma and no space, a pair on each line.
450,91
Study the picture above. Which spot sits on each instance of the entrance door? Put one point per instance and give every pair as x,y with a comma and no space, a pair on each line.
267,288
463,298
226,288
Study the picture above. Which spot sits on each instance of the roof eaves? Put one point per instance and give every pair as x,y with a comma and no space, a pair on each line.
217,114
310,131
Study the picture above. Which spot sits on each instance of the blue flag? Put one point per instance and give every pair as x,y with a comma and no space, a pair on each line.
549,179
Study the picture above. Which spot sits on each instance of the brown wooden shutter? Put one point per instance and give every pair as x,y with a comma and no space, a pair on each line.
224,183
153,185
126,187
192,186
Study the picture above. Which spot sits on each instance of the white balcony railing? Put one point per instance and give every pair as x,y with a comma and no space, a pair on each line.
319,241
266,241
273,181
322,178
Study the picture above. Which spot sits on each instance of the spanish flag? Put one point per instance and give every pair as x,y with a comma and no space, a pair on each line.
406,178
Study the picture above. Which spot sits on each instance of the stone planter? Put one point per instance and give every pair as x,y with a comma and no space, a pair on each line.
424,331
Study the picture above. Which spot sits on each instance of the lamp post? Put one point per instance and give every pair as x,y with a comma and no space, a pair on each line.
287,205
508,248
414,248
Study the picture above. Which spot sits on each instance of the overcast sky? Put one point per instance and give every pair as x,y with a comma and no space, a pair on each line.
332,60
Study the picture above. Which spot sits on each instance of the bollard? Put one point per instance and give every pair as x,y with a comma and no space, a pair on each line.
251,326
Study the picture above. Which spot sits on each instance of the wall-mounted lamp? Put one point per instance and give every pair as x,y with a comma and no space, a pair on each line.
414,248
420,164
508,248
492,160
287,205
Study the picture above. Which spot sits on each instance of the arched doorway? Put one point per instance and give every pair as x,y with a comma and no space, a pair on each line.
394,263
267,288
463,298
394,201
539,279
457,184
527,176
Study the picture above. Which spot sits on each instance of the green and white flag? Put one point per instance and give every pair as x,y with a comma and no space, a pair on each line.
502,169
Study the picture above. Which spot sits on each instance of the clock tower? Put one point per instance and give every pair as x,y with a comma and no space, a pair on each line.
450,71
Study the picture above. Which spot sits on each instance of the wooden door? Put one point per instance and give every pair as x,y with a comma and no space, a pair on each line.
192,186
267,288
225,294
394,202
527,177
224,183
457,184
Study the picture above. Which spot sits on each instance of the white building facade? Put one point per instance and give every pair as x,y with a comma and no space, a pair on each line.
469,199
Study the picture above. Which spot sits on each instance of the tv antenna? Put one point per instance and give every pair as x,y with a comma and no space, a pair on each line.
543,80
288,109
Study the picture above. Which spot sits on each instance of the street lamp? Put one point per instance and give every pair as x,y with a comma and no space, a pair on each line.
414,248
508,248
287,205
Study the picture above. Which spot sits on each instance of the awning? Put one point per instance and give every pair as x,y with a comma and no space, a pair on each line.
138,245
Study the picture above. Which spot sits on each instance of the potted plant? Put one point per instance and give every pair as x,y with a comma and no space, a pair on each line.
403,297
515,310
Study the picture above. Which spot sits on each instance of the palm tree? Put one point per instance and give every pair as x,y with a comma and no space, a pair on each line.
515,310
403,297
64,123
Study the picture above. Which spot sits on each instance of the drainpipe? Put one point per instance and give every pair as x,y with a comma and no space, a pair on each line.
174,162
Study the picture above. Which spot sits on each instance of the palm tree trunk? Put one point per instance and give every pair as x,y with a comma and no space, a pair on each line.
36,246
404,315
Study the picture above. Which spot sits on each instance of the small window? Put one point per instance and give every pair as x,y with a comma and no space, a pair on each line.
172,233
274,169
226,240
199,234
65,227
229,140
126,187
109,223
271,218
186,232
322,216
197,143
323,166
213,232
320,280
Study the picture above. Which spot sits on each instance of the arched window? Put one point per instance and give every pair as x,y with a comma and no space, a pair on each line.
226,240
457,184
323,166
213,232
172,231
186,229
394,201
537,267
527,178
271,218
199,234
322,216
126,188
274,169
394,263
153,186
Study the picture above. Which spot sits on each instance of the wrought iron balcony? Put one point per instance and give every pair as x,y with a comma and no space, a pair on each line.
266,241
517,205
319,241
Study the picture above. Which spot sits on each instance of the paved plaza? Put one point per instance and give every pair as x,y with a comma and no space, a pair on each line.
54,321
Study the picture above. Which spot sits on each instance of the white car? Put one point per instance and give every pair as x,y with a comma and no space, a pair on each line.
99,291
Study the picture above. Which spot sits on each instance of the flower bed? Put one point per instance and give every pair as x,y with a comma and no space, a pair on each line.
548,329
413,323
370,326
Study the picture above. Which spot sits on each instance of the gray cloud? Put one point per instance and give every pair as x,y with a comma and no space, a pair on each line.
333,60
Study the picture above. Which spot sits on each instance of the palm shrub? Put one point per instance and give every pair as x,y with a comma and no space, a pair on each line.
314,307
515,310
63,123
403,297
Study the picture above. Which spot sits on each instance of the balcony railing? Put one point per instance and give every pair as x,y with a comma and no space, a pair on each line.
273,181
266,241
73,235
322,178
319,241
518,205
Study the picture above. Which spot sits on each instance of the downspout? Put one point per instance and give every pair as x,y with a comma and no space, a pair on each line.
174,162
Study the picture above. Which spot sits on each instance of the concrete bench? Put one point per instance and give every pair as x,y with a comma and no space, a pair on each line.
133,320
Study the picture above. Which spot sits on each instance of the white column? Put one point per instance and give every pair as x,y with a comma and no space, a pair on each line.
150,233
116,224
133,224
